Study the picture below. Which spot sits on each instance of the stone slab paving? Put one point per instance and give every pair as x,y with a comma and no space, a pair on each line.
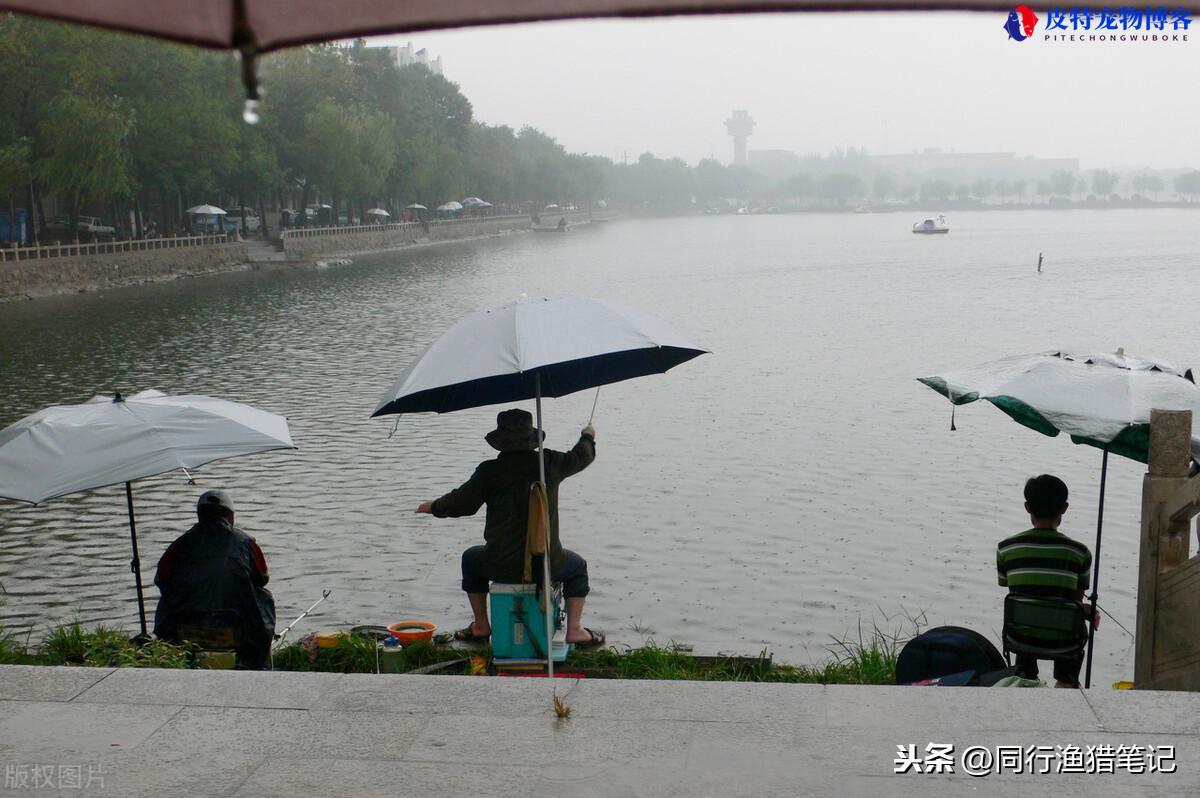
130,733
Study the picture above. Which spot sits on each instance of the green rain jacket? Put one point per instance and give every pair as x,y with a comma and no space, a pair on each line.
503,484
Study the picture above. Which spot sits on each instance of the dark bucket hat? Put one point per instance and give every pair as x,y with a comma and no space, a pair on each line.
514,432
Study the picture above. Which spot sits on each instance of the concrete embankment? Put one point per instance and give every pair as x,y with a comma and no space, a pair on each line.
45,276
27,279
145,732
305,245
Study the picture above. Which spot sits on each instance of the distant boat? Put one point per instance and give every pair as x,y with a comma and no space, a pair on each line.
932,226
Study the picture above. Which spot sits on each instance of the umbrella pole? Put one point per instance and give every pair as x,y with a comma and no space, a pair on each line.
547,603
1096,570
135,564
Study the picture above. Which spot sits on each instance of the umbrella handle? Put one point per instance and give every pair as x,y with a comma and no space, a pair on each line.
594,402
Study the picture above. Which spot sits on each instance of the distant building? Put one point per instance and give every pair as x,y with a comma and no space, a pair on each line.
407,56
937,163
740,126
928,164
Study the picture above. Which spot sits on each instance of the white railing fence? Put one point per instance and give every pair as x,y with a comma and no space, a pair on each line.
318,232
16,254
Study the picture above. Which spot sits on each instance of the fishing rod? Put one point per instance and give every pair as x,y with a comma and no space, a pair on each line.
279,637
1114,620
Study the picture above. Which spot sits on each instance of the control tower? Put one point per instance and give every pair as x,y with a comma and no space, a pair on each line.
740,125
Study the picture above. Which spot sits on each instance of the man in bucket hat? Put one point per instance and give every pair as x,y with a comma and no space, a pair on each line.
503,484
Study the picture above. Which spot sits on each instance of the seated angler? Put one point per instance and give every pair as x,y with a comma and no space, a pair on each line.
1043,563
503,484
213,582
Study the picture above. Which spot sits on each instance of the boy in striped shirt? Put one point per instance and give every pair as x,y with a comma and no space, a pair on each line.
1044,563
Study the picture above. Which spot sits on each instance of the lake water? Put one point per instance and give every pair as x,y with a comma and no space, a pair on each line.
791,486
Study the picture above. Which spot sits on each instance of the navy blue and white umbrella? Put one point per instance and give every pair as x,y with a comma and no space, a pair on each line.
533,348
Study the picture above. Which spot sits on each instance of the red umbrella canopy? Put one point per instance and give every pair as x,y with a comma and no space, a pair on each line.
263,25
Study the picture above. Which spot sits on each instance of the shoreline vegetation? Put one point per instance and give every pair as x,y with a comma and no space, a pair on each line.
868,658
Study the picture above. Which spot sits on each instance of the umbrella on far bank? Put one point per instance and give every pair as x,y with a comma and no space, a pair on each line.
66,449
416,206
378,212
206,210
533,348
474,202
1103,400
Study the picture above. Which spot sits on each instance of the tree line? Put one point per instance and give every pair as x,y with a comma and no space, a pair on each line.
125,126
128,125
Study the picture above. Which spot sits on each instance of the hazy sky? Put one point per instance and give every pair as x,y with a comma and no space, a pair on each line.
891,82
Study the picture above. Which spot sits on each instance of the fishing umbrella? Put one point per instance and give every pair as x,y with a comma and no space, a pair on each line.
416,206
1103,400
474,202
533,348
65,449
378,212
452,205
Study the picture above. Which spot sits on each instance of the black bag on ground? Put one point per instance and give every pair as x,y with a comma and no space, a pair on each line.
946,650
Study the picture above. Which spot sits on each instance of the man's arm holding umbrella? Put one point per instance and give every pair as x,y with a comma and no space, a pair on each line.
580,457
464,500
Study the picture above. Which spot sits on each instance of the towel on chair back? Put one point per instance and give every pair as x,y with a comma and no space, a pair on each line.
537,533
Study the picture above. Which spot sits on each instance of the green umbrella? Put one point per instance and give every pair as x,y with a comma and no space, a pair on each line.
1102,400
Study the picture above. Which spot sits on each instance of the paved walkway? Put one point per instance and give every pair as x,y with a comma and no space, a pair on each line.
259,251
221,733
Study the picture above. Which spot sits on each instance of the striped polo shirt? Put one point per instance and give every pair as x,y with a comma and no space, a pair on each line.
1044,563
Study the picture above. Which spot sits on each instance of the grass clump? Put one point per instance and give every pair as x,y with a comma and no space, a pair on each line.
13,651
102,647
869,658
357,654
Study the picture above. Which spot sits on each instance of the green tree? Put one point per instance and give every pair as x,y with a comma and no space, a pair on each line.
1188,184
16,170
87,150
982,188
936,190
350,151
1103,182
1062,182
883,186
840,187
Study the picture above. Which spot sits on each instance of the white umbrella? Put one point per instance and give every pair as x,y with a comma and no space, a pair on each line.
106,441
206,210
416,206
531,348
450,206
1103,400
378,212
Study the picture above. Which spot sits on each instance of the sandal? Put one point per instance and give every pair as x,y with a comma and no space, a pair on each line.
468,635
596,641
